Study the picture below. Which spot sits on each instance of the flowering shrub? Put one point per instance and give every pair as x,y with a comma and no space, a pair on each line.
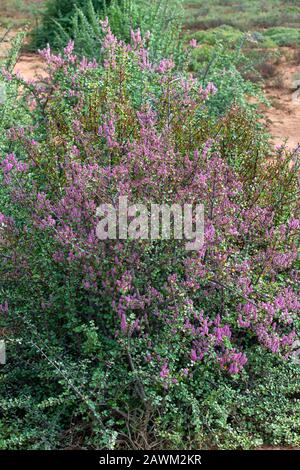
143,327
163,18
231,70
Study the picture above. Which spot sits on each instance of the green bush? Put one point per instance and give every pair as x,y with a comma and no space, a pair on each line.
283,36
229,68
162,17
231,37
58,14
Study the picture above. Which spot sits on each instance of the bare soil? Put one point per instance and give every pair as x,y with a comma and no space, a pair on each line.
283,117
29,65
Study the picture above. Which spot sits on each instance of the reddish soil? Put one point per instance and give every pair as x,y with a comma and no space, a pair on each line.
283,117
30,65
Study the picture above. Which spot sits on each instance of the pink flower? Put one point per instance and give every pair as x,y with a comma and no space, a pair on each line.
164,371
136,38
194,357
165,65
193,43
4,307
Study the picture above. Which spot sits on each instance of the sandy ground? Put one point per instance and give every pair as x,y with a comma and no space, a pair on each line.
29,65
283,117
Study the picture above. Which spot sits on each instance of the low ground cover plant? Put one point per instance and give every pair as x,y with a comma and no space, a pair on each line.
242,14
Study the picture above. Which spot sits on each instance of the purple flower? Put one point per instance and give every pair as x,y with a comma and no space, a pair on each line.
193,43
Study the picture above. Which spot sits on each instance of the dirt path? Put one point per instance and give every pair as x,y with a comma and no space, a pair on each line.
29,66
283,118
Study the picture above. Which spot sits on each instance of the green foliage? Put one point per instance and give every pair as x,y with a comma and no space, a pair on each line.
270,38
261,408
232,37
244,15
162,17
283,36
228,68
48,401
224,33
58,14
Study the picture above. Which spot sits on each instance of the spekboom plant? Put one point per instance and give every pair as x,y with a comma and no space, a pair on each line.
129,127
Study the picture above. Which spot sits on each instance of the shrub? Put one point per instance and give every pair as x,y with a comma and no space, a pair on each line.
230,36
80,22
162,17
137,343
59,13
230,70
284,36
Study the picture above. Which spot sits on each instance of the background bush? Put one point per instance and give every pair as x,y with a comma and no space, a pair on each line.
162,17
225,63
59,14
79,21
